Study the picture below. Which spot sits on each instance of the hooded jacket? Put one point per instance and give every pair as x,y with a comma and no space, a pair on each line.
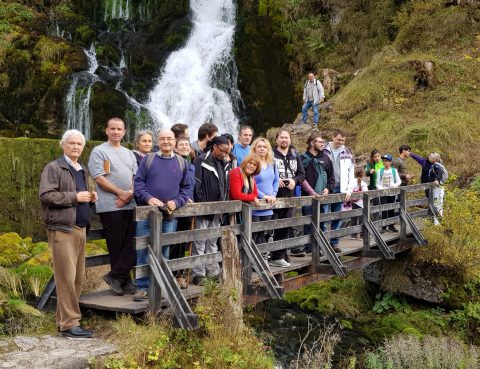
347,168
211,179
289,166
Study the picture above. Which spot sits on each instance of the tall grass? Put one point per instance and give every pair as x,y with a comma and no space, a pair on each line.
410,352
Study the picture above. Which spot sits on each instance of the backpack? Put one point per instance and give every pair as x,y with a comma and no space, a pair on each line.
394,173
322,179
439,171
181,161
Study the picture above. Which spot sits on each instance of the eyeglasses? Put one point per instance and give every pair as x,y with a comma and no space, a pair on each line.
166,139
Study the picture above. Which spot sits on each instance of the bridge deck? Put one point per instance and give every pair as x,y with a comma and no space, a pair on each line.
107,300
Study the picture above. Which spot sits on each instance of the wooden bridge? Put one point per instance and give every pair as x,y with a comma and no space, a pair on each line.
261,281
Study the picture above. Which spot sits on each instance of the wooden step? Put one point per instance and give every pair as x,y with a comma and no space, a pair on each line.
360,262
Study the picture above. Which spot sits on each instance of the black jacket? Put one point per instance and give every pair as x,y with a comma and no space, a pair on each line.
289,166
211,179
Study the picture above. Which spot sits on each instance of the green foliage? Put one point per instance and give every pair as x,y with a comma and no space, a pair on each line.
387,301
49,50
410,352
453,245
13,249
337,296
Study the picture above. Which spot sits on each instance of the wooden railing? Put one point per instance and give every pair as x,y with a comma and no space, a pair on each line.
323,256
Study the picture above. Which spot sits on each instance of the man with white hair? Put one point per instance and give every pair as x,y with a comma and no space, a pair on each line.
65,196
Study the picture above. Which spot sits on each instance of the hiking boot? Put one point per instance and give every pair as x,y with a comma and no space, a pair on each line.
182,283
280,262
116,286
299,253
129,288
199,280
140,295
392,228
337,249
383,230
107,278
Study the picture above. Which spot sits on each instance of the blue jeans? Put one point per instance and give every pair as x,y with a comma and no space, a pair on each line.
305,108
143,229
336,224
307,228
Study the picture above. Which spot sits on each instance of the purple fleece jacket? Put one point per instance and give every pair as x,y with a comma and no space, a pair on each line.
163,180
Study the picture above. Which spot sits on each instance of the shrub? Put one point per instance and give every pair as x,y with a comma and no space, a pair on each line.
410,352
453,246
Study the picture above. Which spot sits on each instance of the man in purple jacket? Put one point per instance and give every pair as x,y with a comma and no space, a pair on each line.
161,180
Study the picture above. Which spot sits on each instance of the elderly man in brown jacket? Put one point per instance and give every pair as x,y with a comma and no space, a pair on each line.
65,197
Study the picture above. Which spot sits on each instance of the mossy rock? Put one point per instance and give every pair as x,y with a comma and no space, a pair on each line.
13,249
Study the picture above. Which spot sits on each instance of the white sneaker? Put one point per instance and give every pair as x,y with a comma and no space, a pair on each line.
280,262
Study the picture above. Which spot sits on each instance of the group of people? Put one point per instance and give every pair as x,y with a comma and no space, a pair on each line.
168,171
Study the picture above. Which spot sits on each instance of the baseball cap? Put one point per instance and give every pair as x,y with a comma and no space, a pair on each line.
387,157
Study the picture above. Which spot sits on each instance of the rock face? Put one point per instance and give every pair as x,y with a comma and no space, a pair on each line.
406,279
48,352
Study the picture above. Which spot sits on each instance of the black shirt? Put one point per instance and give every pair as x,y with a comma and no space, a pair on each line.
83,208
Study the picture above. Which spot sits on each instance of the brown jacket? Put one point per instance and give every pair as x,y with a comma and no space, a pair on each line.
58,195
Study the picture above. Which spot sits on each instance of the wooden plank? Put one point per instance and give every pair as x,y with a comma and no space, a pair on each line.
155,293
417,202
194,209
187,236
246,232
97,260
281,223
183,263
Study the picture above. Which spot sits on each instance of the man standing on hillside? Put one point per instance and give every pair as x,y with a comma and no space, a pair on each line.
112,167
344,169
291,173
242,147
162,180
313,95
206,133
320,178
399,163
65,198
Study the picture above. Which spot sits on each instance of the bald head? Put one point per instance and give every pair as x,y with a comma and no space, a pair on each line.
166,141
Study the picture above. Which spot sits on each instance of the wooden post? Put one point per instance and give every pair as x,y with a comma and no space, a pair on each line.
155,295
366,215
403,224
316,206
232,278
247,231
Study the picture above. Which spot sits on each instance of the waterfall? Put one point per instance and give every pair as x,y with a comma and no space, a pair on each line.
198,83
117,9
77,100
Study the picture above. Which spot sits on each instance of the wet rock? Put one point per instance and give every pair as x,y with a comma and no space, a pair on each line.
49,352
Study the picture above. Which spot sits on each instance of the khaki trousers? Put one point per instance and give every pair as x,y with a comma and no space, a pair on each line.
68,252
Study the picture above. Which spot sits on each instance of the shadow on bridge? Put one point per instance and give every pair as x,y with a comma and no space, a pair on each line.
261,281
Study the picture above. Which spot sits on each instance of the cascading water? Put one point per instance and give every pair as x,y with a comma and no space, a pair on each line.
198,83
77,100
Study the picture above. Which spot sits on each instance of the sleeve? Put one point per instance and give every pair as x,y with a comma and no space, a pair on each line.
198,192
49,190
261,194
351,178
305,91
276,179
236,188
140,186
364,187
330,175
418,159
308,189
379,181
321,92
95,163
396,179
185,188
300,175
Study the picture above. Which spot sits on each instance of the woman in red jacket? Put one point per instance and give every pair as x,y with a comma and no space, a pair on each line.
242,181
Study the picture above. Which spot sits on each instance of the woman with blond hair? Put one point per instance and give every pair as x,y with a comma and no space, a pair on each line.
267,182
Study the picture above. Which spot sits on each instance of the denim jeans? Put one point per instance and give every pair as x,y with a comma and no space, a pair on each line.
337,223
307,228
305,108
143,229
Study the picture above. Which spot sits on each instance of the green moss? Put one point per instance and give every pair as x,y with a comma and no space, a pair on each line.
338,296
13,249
85,35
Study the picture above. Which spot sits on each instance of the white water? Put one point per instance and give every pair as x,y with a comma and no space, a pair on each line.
117,9
77,100
187,90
